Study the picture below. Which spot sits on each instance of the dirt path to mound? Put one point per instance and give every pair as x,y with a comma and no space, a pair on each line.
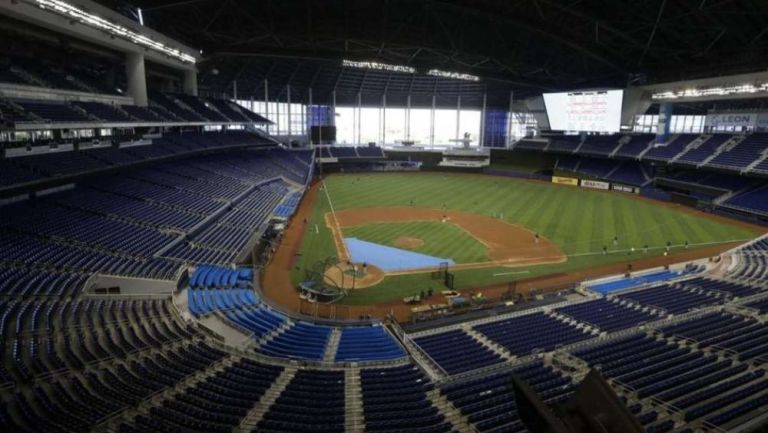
508,244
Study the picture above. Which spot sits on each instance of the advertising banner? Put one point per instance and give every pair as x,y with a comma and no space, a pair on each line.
565,180
595,184
735,120
625,188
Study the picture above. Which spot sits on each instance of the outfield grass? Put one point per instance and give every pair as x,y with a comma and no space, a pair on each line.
580,221
440,239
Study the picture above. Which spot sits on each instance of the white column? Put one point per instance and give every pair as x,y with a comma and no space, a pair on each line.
432,124
509,123
359,117
383,119
309,116
408,118
481,138
288,111
137,78
266,103
458,118
190,82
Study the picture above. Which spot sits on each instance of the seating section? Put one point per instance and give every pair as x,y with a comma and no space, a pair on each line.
525,144
706,149
60,163
629,172
12,173
229,292
636,145
697,384
675,298
313,402
747,337
743,154
350,152
301,341
288,206
456,351
146,222
104,112
395,400
754,199
216,404
367,343
607,315
670,150
600,145
489,402
54,112
163,108
531,333
566,143
725,287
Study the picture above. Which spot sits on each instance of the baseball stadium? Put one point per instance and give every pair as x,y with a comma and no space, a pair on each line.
383,216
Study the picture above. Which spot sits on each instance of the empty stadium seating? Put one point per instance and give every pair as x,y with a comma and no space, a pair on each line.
549,333
456,352
607,315
214,289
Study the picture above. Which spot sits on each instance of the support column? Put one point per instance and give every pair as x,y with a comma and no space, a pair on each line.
190,82
309,119
266,104
510,140
483,120
288,108
137,78
432,124
458,119
665,121
383,123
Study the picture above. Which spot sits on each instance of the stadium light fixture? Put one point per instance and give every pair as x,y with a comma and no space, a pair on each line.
141,16
73,13
454,75
739,89
378,66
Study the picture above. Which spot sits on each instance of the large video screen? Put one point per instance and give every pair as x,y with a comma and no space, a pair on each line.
590,111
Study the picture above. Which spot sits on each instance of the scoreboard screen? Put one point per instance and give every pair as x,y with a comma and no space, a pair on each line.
588,111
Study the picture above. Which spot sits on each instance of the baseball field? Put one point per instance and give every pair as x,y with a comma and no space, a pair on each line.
494,230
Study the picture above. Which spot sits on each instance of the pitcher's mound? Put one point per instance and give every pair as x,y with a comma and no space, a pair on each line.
408,243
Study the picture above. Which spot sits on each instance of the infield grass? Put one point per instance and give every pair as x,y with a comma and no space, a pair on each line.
580,221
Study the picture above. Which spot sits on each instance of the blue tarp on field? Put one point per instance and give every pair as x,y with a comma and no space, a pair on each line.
390,259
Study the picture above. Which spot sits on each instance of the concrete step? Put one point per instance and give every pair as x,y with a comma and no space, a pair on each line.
332,345
452,414
354,417
167,394
496,348
266,401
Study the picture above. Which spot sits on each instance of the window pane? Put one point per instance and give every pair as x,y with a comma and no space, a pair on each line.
420,122
345,125
394,127
469,122
369,125
445,127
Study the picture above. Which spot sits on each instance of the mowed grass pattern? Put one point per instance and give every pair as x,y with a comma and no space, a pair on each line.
440,239
580,221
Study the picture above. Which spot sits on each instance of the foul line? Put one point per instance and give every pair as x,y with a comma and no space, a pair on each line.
511,273
336,221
